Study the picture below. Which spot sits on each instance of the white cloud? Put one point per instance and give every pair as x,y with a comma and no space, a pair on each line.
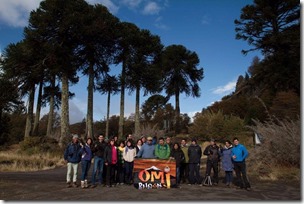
225,89
151,8
131,3
15,13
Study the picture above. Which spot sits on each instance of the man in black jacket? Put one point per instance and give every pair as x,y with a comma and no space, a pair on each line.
194,153
212,152
98,151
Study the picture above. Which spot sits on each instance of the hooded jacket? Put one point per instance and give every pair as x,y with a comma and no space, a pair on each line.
195,154
72,153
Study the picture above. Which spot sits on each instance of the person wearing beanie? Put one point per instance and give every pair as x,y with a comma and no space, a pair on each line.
195,154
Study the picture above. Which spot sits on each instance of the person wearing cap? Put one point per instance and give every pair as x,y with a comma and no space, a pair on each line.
147,151
72,156
212,151
195,154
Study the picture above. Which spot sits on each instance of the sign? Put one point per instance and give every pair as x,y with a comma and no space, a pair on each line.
154,173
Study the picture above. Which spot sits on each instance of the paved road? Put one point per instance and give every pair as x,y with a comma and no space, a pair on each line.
49,185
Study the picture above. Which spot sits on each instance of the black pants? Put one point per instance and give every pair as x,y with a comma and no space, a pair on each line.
110,177
194,174
184,172
212,165
241,177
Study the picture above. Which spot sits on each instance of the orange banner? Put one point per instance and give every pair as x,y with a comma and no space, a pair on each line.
154,173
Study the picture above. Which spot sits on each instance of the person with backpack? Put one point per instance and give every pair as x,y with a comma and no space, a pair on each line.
212,152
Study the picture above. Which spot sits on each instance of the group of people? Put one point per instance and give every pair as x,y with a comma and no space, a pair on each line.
114,161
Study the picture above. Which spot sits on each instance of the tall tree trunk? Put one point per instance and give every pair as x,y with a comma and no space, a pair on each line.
122,101
89,123
38,109
177,113
29,116
51,111
137,119
65,129
108,114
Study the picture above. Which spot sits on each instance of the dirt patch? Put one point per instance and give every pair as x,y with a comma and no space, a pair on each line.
49,185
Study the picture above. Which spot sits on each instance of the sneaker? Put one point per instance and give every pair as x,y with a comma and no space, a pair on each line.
69,185
74,185
86,183
82,184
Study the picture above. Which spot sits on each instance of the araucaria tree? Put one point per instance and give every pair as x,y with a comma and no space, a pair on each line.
181,75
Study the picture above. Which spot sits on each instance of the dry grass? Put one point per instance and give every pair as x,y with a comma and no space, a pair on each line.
12,160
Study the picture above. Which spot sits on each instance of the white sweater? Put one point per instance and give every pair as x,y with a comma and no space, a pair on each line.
129,154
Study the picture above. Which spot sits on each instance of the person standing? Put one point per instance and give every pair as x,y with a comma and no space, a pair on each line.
111,157
86,157
162,150
147,151
120,170
195,154
184,170
212,152
72,156
239,154
139,144
128,155
179,157
227,164
98,151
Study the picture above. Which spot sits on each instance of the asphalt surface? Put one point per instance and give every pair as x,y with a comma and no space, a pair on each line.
50,185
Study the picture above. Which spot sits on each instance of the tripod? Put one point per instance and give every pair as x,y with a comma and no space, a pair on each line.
207,181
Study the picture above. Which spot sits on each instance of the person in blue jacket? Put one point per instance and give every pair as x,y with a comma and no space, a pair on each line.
86,158
147,151
72,156
239,154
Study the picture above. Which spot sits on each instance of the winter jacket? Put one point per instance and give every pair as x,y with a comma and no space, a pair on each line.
129,154
195,154
108,154
99,148
86,153
227,164
162,151
213,153
179,156
240,152
72,153
147,151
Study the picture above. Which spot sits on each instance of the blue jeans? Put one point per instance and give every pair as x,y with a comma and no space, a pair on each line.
85,166
177,175
228,177
97,169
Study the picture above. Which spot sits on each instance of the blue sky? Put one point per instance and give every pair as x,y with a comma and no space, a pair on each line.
203,26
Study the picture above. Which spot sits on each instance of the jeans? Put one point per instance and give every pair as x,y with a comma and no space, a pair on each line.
228,177
71,166
85,166
178,175
129,170
97,169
